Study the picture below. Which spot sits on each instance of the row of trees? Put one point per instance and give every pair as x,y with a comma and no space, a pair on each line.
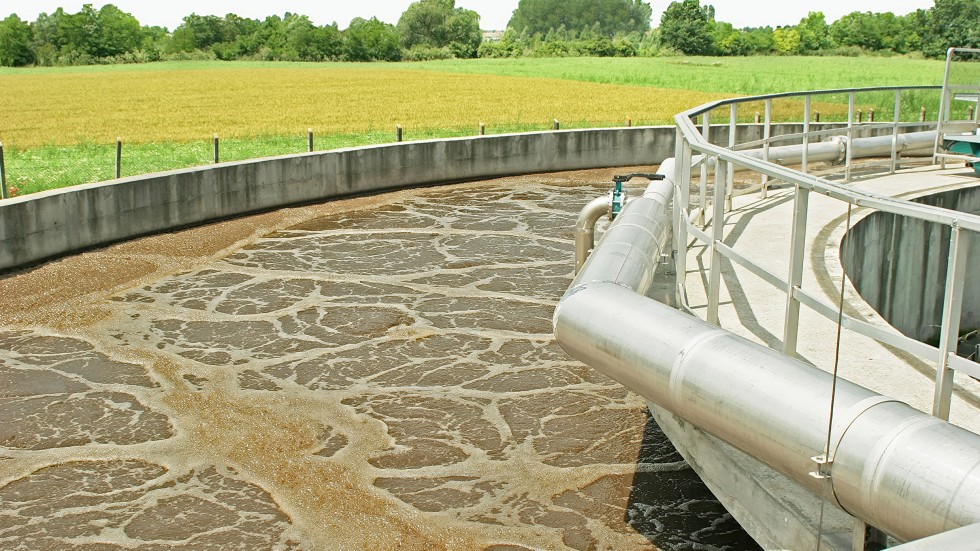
432,29
690,28
428,28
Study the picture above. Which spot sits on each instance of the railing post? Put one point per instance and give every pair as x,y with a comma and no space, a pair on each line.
950,332
898,115
309,140
717,235
944,114
976,112
703,187
684,161
766,135
682,186
848,155
796,255
215,145
730,174
806,132
944,101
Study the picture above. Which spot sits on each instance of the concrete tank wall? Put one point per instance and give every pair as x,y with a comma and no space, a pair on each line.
54,223
898,265
49,224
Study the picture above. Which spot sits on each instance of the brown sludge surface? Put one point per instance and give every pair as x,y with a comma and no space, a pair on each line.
373,373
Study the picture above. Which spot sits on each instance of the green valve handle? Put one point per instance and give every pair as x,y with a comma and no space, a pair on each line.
617,200
618,197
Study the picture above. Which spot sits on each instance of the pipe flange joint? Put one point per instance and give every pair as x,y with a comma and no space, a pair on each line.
617,201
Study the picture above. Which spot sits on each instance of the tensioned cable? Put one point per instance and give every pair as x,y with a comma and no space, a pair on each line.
833,386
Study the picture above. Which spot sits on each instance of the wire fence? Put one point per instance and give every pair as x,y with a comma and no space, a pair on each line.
51,167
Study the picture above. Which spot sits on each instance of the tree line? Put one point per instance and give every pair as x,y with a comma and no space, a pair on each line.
437,29
690,28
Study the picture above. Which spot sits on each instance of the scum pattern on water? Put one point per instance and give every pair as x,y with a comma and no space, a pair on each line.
377,376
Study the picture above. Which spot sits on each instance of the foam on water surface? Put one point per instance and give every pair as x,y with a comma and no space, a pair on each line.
374,373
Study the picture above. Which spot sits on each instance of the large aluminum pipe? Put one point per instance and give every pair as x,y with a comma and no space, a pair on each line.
894,467
834,149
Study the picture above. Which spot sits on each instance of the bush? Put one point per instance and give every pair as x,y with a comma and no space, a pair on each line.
195,55
427,53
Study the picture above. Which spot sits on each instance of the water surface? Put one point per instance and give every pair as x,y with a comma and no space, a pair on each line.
380,374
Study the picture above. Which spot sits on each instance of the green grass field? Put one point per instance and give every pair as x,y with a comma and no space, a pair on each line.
743,76
59,125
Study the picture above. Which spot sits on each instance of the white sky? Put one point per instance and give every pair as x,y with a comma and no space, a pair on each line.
494,13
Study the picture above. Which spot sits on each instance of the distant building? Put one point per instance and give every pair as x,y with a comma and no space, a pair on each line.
492,36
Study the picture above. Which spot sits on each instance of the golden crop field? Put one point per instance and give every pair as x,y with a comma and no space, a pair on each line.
190,104
59,125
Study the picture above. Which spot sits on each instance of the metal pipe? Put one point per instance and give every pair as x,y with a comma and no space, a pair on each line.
896,468
834,150
585,229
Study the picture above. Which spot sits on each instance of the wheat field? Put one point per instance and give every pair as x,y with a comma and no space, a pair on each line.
59,125
190,104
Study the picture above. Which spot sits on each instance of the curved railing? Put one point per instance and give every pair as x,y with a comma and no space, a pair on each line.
883,462
694,149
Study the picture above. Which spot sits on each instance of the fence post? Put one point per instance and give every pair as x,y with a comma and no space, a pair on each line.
629,122
816,116
871,114
309,140
969,113
118,158
922,114
758,117
483,129
215,142
3,176
859,116
556,125
398,132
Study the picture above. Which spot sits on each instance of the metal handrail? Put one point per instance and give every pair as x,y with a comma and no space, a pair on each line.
693,141
814,183
710,106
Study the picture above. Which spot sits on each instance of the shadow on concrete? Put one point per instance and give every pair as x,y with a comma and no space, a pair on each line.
730,279
670,505
743,308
